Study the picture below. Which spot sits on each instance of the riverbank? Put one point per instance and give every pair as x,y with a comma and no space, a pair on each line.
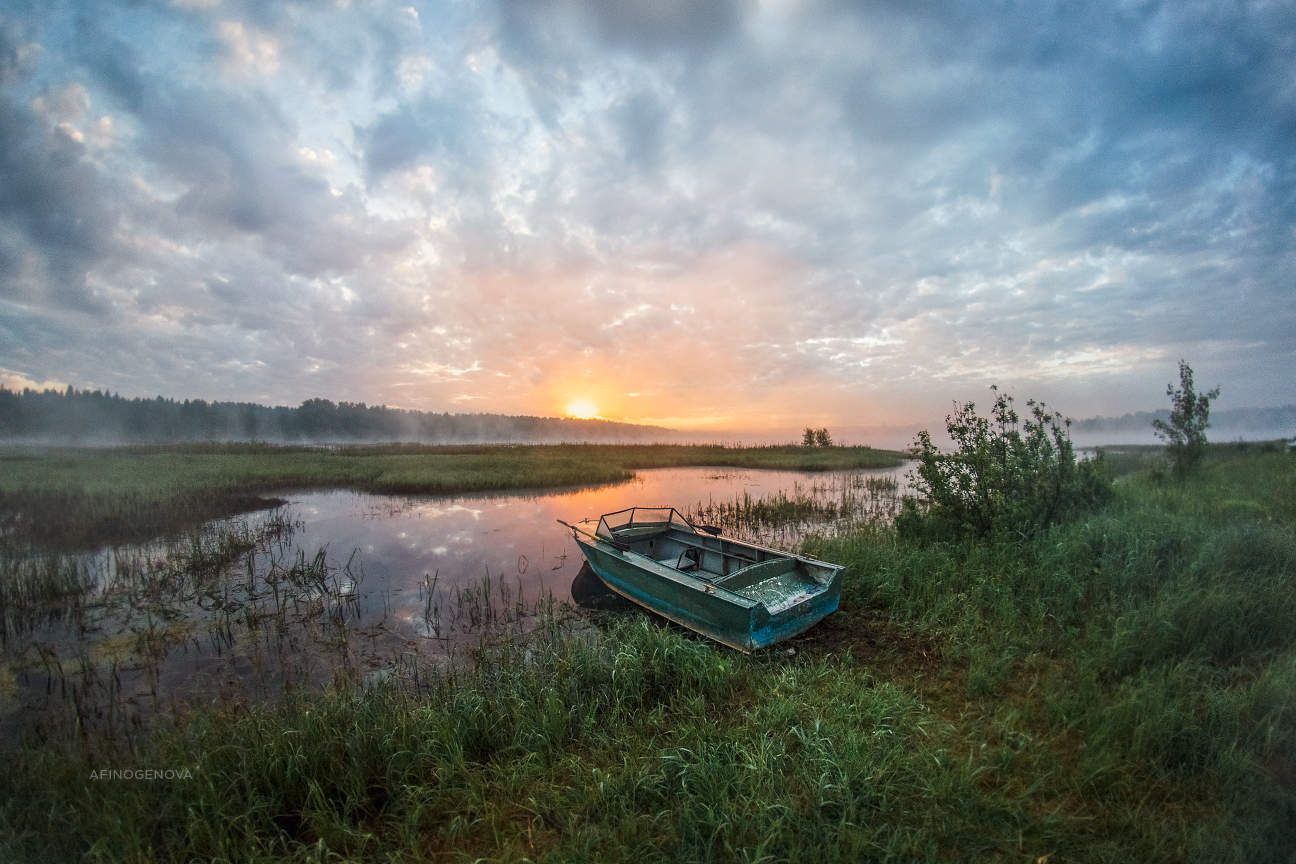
79,497
1122,687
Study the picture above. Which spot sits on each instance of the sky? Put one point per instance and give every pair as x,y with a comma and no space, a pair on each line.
704,215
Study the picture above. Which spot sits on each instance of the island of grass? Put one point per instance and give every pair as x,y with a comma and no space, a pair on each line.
75,497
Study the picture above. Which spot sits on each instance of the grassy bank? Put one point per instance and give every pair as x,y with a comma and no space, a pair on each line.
1122,687
72,497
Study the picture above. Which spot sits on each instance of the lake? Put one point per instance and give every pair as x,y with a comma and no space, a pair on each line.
341,585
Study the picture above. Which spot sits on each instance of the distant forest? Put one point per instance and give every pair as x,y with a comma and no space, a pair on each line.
92,417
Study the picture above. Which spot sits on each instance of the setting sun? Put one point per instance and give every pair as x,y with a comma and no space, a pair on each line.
583,409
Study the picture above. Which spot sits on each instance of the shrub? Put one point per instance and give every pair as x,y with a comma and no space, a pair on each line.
1005,473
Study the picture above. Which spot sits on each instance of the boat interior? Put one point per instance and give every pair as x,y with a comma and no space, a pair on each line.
662,534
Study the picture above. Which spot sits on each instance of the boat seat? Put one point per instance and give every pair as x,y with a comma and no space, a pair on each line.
753,573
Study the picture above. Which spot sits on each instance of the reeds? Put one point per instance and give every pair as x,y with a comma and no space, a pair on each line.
837,503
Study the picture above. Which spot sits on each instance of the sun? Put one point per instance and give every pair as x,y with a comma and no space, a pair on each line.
582,409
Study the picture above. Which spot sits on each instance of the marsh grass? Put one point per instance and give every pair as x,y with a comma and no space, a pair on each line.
235,610
38,587
1119,687
833,504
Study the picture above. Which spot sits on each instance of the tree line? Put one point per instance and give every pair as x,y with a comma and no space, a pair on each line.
74,416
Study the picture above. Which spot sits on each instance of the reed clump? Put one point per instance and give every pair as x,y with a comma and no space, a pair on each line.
837,503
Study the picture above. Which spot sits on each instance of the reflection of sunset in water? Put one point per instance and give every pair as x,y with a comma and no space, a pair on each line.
403,577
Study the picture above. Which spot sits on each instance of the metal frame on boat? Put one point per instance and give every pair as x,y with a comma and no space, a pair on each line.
740,594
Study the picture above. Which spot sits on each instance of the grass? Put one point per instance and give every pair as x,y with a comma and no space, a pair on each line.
81,497
1122,687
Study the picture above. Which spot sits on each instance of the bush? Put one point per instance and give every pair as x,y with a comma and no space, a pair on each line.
1006,474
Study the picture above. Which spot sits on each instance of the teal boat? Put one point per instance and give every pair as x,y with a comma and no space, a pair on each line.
740,594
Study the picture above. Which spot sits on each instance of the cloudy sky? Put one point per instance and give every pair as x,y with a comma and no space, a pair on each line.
701,214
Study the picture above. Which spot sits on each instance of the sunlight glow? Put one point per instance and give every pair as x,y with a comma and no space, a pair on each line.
582,409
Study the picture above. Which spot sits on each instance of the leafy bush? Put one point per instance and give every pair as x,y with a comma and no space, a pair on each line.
1006,474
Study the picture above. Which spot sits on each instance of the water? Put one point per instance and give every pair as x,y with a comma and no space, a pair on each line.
341,585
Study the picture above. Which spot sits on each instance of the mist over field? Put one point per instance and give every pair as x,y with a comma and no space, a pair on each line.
93,418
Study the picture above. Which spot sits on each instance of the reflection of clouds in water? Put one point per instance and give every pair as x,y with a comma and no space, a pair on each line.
430,573
462,538
442,511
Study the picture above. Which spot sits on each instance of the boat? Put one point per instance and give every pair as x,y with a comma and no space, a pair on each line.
739,594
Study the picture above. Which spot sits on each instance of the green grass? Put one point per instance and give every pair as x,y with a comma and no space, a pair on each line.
78,497
1117,688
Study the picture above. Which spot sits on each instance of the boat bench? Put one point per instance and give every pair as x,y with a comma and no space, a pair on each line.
753,573
678,562
746,571
705,549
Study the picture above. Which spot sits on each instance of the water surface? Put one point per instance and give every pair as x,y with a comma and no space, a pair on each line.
351,585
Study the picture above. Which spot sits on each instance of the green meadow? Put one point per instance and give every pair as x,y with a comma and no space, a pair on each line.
1117,687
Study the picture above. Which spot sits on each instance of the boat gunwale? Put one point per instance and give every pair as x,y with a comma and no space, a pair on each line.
704,536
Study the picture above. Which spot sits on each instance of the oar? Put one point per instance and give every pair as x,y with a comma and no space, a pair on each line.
624,547
575,528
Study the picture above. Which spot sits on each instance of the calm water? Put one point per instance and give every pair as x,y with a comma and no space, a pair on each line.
364,586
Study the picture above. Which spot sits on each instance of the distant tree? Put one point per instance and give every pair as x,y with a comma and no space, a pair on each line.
808,437
822,438
1185,434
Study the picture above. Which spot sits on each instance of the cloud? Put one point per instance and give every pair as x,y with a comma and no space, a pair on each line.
55,222
16,381
437,128
249,50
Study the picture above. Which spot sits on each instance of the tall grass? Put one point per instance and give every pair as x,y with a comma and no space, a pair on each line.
835,504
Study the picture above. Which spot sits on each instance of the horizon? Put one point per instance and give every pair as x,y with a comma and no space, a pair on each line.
1237,424
703,216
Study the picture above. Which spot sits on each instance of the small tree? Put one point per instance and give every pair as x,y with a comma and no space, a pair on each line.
1185,434
808,437
822,438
